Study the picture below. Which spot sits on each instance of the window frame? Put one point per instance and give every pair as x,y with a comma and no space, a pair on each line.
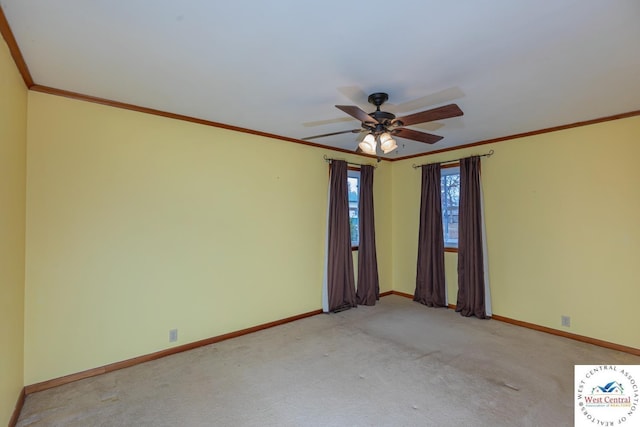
455,165
354,172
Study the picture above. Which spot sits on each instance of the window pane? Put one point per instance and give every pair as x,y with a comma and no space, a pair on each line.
353,183
450,196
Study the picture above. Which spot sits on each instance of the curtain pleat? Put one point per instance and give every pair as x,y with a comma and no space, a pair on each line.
430,279
340,280
471,285
368,282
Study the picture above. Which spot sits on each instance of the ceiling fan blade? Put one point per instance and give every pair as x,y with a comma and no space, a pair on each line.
445,112
430,126
440,97
417,136
354,93
327,122
331,134
356,112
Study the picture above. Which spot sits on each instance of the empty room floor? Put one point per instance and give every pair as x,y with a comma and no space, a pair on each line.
396,364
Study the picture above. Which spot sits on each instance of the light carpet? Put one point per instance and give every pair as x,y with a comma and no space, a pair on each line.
396,364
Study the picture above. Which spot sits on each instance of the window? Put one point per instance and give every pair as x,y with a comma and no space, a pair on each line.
450,197
353,186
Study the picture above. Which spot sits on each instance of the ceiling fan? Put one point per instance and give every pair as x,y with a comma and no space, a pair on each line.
382,126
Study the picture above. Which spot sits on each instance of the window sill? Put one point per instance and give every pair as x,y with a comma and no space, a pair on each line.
354,248
452,250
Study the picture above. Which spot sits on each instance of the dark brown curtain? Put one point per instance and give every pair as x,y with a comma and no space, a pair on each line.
430,284
471,287
340,281
368,283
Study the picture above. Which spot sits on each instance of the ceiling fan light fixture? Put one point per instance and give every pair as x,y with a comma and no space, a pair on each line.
380,125
387,144
368,144
390,147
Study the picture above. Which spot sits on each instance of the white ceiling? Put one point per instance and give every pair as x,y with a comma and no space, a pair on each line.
279,66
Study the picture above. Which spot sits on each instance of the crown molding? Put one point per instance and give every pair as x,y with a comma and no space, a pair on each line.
7,34
525,134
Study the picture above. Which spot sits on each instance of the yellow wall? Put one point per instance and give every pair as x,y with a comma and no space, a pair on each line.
138,224
13,125
563,228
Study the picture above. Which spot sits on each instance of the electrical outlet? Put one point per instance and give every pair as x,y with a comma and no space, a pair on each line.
173,335
565,321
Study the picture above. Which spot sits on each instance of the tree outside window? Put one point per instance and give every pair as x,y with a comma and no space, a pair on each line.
450,197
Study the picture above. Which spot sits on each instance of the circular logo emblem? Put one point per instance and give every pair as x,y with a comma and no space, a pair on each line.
606,395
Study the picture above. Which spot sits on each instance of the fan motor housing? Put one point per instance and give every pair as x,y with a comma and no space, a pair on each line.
378,98
382,116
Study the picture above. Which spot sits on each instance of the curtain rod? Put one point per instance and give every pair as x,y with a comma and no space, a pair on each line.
329,160
489,154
